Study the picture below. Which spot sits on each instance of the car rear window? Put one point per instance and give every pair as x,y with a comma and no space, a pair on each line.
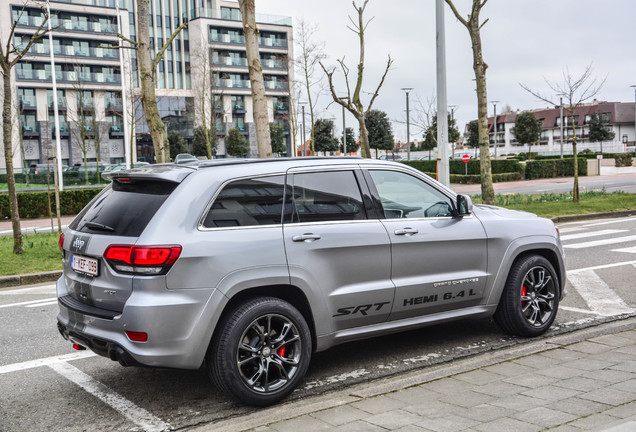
123,209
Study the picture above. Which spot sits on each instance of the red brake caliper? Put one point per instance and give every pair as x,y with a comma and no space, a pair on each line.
524,291
281,351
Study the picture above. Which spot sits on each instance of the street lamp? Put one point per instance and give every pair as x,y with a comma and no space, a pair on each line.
495,118
634,86
304,140
452,108
408,124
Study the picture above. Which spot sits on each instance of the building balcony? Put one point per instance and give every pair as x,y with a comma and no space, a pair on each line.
276,85
235,84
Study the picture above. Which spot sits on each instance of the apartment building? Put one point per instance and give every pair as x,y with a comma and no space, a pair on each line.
618,115
203,76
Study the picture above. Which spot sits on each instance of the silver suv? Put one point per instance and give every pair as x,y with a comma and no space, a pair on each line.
249,266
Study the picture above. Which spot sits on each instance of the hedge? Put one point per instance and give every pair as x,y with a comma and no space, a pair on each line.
70,178
554,168
36,204
456,166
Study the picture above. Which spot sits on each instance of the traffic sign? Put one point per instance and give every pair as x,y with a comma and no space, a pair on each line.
466,158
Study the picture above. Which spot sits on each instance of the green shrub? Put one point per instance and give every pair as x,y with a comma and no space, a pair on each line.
36,204
623,160
457,166
551,168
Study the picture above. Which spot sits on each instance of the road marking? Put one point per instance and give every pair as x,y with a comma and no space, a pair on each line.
603,266
132,412
29,303
573,229
597,294
45,361
600,242
613,221
51,303
42,289
591,234
626,250
573,309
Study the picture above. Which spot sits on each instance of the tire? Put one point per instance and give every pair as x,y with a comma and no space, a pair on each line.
530,299
260,352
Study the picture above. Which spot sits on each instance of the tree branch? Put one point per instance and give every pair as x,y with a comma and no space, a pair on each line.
456,13
377,90
159,55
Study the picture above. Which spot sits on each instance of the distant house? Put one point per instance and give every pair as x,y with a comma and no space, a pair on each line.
619,115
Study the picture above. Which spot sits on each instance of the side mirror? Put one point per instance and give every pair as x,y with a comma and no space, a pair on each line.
464,205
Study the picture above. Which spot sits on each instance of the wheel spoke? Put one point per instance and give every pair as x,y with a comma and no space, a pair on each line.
256,376
244,346
281,368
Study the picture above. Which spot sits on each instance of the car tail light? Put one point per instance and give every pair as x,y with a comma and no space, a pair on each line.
137,336
60,243
142,260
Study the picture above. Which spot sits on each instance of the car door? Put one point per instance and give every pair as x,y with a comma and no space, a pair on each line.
335,248
438,260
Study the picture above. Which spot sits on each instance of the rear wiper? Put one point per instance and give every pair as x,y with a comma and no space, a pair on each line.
98,226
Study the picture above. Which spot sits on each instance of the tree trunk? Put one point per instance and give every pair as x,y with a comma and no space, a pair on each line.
8,158
575,187
147,76
364,137
259,100
479,66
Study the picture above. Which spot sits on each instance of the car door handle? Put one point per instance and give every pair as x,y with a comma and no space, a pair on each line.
308,237
406,231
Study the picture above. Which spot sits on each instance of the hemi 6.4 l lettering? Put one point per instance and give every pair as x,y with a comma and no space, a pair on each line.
362,309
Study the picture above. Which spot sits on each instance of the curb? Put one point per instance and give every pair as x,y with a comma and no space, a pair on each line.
29,279
574,218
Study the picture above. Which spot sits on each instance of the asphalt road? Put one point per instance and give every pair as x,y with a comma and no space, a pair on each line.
45,385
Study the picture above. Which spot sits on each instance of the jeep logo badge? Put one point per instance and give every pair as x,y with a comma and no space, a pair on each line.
80,244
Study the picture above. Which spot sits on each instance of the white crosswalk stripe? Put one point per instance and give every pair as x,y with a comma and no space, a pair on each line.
590,234
602,242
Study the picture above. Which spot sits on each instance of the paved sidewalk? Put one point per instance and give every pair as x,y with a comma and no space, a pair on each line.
580,381
30,226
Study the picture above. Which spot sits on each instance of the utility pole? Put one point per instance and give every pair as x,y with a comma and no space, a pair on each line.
344,132
561,124
495,134
634,86
442,116
304,140
127,148
408,124
452,108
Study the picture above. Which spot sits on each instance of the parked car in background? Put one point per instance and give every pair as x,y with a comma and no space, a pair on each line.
186,159
247,267
119,167
390,156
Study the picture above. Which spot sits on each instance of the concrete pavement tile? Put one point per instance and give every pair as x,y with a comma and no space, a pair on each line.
562,354
581,383
447,386
411,428
595,421
566,428
356,426
500,389
551,393
261,429
581,407
615,355
623,411
561,372
530,380
613,376
378,404
508,369
628,366
394,419
587,347
630,334
507,425
588,365
485,412
615,340
545,417
628,386
449,423
518,402
479,377
609,396
537,361
415,394
305,422
340,415
431,409
629,350
467,399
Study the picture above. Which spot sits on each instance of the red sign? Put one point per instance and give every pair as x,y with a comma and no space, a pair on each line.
466,158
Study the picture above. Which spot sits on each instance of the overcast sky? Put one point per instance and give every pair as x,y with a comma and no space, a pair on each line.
524,41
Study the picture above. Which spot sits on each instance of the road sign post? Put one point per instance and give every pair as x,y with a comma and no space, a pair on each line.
465,159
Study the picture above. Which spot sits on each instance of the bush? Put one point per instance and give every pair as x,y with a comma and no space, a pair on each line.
457,166
553,168
623,160
36,204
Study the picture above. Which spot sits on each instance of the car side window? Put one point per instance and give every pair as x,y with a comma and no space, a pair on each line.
405,196
325,197
248,202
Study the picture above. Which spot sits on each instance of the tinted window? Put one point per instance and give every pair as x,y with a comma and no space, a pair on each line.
406,196
123,209
256,201
327,196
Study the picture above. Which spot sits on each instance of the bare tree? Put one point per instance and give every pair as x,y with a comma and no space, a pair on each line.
81,118
147,73
575,90
205,109
10,55
311,54
352,101
292,102
479,66
259,101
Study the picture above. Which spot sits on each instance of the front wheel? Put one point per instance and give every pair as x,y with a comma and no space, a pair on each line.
261,351
530,300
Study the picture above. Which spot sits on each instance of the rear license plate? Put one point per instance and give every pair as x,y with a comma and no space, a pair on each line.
85,265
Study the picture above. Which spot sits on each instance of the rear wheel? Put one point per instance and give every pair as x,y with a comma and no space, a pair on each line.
261,352
530,299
